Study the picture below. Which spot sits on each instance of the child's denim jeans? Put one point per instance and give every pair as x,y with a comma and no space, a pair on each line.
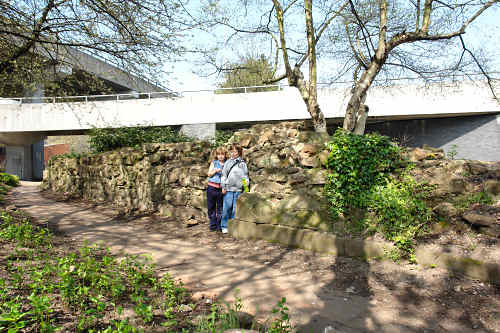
229,207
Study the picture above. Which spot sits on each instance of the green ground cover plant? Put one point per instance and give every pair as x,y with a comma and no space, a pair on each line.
8,179
47,286
463,202
106,139
369,185
69,155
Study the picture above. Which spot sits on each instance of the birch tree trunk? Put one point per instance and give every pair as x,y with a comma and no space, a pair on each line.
356,110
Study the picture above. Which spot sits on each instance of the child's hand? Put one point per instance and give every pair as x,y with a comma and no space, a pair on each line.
224,191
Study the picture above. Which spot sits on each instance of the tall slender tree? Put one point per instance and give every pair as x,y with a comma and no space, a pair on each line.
363,38
294,47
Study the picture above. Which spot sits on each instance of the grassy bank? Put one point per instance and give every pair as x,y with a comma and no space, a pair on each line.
47,284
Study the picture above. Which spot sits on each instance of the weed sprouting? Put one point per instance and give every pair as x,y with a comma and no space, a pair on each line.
94,287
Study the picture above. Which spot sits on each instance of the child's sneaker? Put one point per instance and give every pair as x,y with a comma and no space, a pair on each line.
224,230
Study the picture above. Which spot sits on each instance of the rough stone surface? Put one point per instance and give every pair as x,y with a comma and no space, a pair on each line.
286,203
445,209
480,219
312,240
418,154
477,168
492,186
435,257
171,178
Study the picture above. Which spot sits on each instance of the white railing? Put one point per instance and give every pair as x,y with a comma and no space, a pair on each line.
177,94
128,96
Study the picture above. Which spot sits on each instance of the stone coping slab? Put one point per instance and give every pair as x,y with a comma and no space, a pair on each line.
323,242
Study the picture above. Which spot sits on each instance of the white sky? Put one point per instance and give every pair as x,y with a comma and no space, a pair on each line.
484,31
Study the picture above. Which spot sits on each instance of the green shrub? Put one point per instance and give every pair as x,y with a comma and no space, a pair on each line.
105,139
367,175
399,211
356,164
68,155
222,137
9,179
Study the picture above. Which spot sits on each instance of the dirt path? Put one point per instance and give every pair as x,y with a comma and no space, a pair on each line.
340,294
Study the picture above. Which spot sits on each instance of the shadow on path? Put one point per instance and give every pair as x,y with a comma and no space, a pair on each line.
324,293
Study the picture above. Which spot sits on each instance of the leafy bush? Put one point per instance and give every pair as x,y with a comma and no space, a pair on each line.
356,164
222,137
68,155
9,179
105,139
367,174
399,211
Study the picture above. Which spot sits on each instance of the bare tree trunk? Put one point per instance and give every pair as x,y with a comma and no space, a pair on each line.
317,116
357,111
313,108
311,101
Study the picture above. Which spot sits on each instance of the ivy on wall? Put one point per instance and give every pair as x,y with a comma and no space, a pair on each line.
367,173
105,139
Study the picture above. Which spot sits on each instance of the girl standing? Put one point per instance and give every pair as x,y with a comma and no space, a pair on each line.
214,189
234,172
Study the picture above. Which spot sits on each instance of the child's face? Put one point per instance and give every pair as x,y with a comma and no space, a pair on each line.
221,157
234,154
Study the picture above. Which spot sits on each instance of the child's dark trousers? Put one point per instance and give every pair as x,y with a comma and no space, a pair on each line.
214,204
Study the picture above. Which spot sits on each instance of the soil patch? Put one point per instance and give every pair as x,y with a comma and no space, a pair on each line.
348,295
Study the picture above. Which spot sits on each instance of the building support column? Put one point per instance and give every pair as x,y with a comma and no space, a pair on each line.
204,132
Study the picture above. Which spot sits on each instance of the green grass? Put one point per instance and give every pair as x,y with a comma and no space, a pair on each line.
463,202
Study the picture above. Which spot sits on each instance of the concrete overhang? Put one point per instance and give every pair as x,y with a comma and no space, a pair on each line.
66,58
395,103
21,138
90,64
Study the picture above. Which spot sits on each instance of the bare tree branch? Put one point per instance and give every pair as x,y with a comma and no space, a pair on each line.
325,25
486,75
363,28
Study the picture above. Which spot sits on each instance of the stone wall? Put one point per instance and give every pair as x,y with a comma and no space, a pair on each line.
284,165
286,174
285,203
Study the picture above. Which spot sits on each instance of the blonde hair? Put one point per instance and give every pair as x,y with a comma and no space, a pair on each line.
219,151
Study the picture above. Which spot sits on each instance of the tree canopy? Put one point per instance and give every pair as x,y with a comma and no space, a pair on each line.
360,40
135,36
251,71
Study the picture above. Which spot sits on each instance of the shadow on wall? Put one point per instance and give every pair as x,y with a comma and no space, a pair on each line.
475,137
3,157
